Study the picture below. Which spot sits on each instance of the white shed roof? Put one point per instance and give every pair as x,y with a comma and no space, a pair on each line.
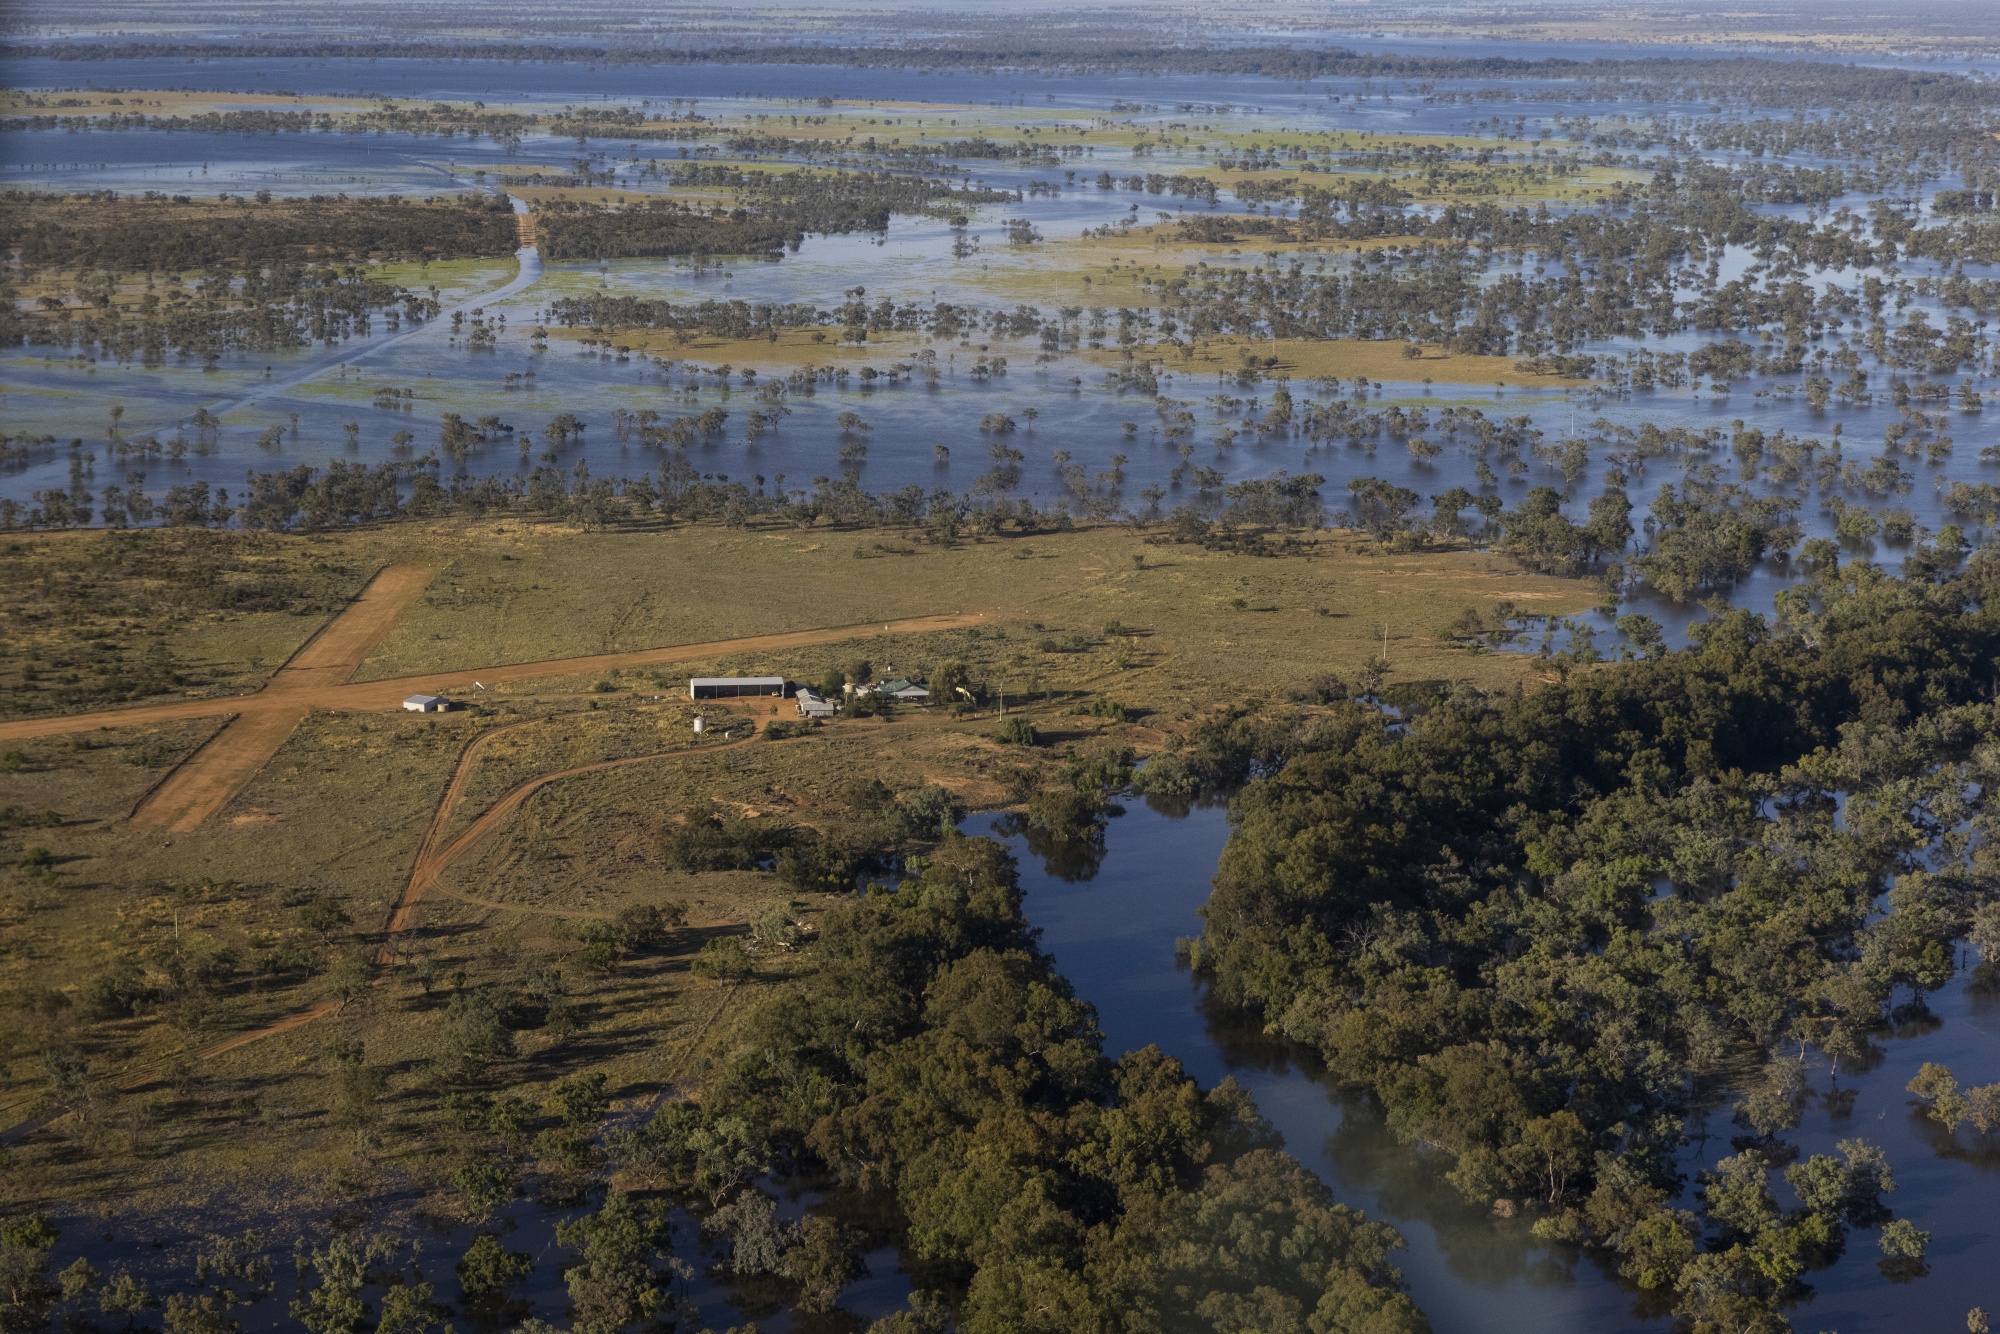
736,681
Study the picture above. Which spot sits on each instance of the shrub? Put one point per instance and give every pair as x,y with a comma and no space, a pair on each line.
723,959
1017,731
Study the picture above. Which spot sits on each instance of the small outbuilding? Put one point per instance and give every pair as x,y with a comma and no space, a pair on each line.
734,687
812,704
427,704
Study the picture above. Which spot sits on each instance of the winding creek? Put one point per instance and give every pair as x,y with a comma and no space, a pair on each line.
1109,916
1111,929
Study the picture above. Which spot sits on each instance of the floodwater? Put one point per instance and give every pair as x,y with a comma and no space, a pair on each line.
63,400
1111,926
1111,931
161,1253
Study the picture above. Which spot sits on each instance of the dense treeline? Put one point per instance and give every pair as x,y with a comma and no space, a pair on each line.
785,208
161,234
271,274
305,498
655,229
935,1055
728,319
924,1051
265,309
1539,929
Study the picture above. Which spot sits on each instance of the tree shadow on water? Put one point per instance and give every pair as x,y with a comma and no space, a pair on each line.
1069,857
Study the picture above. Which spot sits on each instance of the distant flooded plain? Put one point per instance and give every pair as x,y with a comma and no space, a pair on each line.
1077,417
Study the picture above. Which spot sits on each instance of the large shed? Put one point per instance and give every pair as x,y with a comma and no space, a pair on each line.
734,687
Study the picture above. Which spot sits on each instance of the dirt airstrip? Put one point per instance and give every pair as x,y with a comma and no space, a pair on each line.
316,677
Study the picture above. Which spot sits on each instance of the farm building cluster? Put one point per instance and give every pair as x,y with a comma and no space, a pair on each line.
811,703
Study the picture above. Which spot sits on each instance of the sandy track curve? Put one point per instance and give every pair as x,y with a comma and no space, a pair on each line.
431,862
433,858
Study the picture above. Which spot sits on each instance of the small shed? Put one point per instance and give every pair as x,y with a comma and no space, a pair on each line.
812,704
734,687
427,704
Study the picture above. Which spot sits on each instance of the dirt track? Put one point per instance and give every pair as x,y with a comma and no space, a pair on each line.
433,857
206,780
344,643
364,696
431,861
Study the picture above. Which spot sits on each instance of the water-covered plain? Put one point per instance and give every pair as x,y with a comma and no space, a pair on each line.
1880,472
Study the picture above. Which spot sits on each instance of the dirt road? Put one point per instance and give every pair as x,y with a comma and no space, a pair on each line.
338,650
206,780
434,856
362,696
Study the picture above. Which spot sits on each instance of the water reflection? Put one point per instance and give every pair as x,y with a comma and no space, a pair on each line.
1070,857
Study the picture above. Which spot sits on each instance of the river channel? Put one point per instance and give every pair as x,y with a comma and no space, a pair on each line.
1111,924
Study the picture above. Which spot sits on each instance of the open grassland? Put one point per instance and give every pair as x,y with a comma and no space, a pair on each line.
516,592
453,278
135,961
791,349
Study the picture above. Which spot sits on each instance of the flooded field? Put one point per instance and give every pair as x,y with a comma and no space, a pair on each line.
1088,279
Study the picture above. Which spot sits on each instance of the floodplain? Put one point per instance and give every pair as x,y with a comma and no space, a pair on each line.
1439,583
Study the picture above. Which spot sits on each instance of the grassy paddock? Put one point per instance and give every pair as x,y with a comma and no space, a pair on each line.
100,618
516,592
793,348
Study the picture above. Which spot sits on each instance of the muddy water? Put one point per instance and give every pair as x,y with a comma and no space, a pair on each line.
1111,924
